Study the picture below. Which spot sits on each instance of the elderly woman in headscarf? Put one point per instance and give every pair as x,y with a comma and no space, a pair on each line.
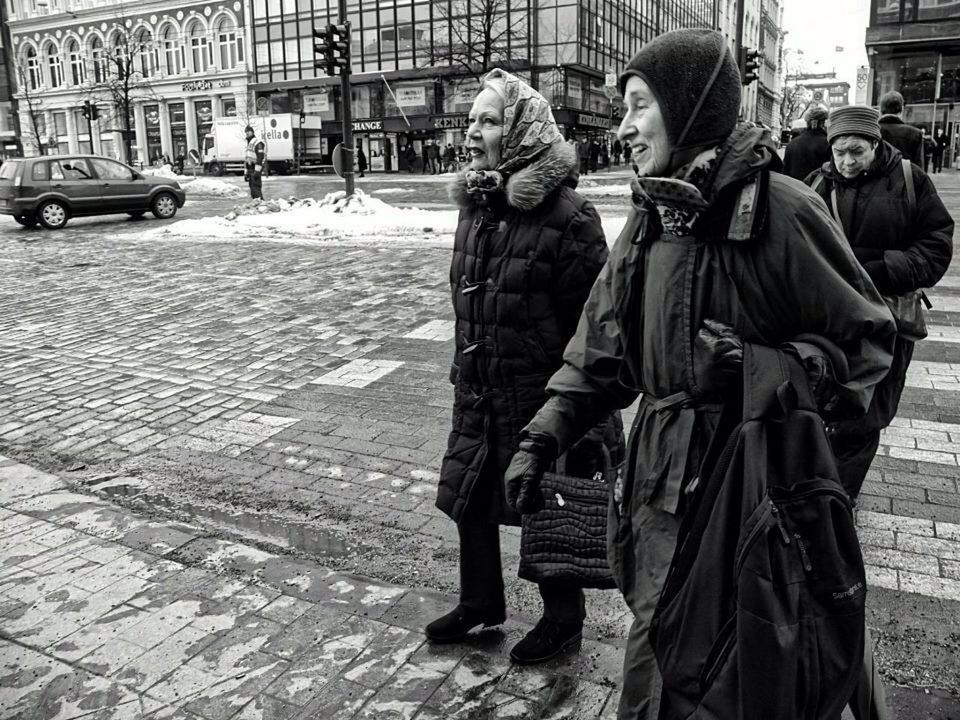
526,252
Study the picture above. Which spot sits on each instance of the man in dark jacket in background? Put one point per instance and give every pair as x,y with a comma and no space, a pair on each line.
717,251
809,150
905,138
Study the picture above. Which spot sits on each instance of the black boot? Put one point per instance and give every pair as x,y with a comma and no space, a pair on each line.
455,625
547,640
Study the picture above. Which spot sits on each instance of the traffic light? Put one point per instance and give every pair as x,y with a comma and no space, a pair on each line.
749,61
333,48
90,111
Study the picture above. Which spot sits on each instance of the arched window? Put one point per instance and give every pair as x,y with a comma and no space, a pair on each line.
78,71
33,68
171,61
147,61
200,50
229,43
54,65
99,57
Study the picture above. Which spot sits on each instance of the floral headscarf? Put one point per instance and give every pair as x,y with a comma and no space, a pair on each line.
528,130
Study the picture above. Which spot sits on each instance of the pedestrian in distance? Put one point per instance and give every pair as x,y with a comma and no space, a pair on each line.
617,152
718,252
594,155
253,162
902,235
810,149
928,147
411,155
526,251
433,151
426,158
940,143
905,138
361,160
605,155
583,153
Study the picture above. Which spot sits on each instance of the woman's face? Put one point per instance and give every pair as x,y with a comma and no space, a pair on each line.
644,130
853,154
485,130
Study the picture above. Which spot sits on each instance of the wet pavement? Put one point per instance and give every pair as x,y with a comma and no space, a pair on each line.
294,400
106,614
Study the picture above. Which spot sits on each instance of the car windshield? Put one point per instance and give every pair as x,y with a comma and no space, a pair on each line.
8,171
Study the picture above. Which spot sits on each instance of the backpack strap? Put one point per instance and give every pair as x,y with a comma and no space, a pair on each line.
818,181
911,191
744,211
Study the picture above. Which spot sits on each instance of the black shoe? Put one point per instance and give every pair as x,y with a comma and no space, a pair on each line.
455,625
547,640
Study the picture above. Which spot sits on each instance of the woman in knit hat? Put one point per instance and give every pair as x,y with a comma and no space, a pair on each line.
902,235
718,250
526,252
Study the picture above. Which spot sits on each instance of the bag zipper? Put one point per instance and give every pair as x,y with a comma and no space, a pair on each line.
718,653
770,510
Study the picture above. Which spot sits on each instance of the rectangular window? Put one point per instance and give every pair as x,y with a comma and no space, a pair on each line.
39,171
938,10
60,123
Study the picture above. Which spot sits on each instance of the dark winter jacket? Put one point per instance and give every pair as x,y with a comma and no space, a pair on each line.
805,153
905,138
765,258
899,253
522,267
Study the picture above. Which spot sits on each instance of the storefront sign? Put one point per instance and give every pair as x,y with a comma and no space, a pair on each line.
196,85
451,122
592,120
316,103
411,96
367,125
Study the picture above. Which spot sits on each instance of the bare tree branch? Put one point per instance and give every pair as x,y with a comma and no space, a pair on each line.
35,108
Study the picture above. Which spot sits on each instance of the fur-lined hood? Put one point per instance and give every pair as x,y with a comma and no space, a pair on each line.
528,187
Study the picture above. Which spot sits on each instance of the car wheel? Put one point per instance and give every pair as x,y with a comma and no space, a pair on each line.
137,214
26,220
216,169
52,215
164,206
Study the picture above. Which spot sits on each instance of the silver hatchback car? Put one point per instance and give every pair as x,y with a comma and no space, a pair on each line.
51,189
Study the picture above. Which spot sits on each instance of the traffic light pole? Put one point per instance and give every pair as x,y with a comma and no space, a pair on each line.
347,101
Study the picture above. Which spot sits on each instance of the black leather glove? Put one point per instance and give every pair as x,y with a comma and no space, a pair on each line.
877,270
717,357
526,469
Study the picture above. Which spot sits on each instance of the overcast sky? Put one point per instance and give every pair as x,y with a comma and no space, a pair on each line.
818,27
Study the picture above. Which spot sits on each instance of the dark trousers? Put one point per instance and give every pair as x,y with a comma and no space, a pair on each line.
481,577
256,186
854,454
938,162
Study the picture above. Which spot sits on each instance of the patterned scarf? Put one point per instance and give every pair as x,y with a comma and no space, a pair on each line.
679,200
528,130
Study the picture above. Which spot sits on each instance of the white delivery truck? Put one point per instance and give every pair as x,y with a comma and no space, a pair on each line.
225,145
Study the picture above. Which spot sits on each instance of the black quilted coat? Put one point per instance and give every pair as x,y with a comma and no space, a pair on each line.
523,265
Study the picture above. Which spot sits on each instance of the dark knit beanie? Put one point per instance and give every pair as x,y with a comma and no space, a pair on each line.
696,82
249,129
854,120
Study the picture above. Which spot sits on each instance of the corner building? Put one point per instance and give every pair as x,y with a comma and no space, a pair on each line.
408,86
191,66
914,48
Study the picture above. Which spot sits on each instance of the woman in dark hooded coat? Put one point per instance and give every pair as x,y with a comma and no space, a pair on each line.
526,252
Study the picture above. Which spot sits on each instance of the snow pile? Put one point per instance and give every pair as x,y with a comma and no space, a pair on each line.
391,191
333,219
593,189
212,187
166,171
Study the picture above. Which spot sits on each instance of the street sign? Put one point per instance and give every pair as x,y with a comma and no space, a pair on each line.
611,80
342,160
612,93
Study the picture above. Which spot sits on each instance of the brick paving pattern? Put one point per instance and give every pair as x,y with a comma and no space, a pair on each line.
317,377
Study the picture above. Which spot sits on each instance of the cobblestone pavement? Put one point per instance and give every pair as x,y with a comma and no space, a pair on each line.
295,399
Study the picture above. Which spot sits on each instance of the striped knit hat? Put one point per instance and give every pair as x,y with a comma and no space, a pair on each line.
854,120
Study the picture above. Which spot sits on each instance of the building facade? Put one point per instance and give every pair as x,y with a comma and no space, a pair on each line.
770,84
914,48
175,65
410,85
9,130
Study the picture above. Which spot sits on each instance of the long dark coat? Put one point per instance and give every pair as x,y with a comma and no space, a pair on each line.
905,138
805,153
769,262
522,268
900,253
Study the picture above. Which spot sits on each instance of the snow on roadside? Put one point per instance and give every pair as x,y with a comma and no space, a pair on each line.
212,187
596,190
331,220
166,171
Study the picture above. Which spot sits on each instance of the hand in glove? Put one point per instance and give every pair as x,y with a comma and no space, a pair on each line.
525,472
717,357
822,384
